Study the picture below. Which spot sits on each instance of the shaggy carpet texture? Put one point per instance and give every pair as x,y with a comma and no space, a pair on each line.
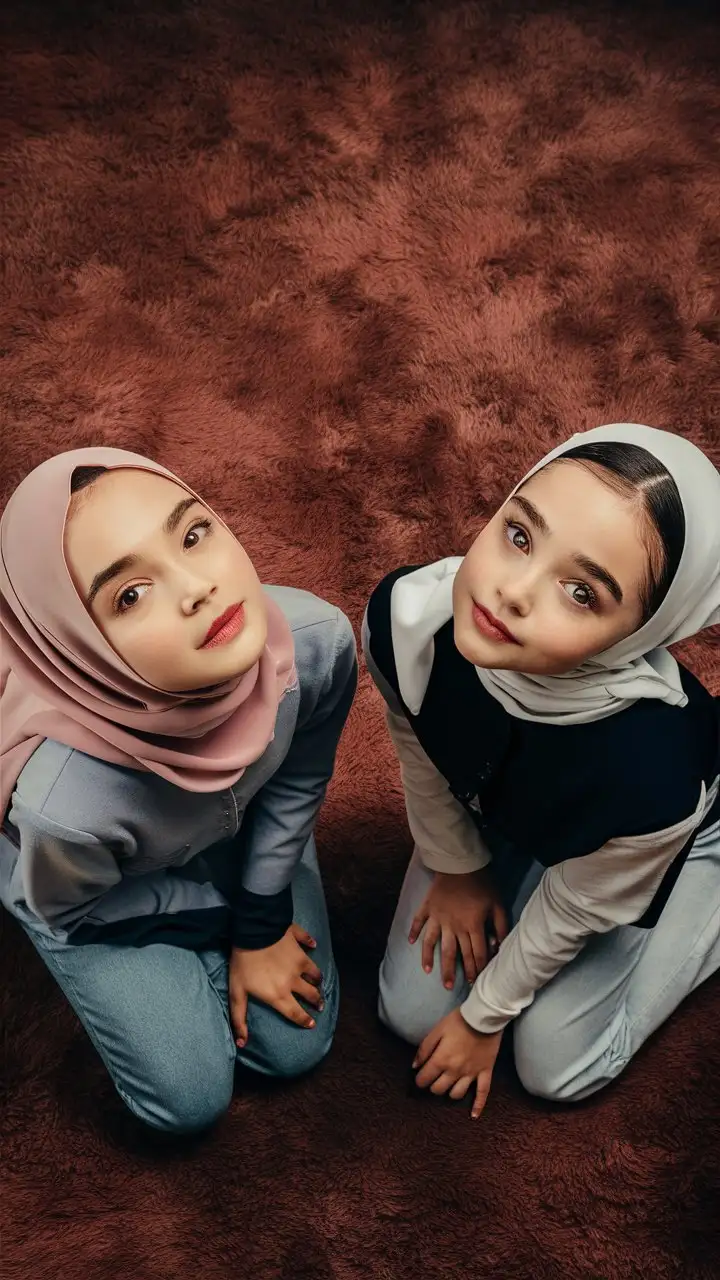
349,267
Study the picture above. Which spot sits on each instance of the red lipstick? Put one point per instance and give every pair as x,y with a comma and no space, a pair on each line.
490,626
226,627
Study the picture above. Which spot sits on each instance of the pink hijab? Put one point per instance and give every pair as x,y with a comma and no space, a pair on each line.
59,677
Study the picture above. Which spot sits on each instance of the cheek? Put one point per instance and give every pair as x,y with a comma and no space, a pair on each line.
237,565
476,563
567,642
147,645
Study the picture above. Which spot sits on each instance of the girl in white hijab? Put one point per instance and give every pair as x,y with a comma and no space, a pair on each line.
559,762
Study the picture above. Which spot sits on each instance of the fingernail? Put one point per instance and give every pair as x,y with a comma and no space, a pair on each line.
449,986
240,1044
311,1024
321,1006
427,969
414,1065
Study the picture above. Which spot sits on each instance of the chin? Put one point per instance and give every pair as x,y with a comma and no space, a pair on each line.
485,654
472,647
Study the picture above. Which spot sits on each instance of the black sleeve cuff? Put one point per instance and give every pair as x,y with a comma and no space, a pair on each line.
259,920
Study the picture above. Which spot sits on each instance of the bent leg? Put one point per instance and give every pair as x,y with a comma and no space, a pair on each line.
275,1046
411,1001
586,1025
158,1025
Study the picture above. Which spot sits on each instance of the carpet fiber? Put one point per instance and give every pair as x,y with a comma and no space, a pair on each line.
349,266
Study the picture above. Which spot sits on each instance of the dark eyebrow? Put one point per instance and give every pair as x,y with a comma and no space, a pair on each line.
177,514
126,562
532,513
106,575
597,572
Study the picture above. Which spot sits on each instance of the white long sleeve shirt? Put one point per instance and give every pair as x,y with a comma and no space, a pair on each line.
574,899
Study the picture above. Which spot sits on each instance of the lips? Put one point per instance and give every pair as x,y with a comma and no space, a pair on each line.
225,627
490,626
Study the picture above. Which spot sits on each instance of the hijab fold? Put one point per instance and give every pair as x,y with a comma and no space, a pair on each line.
61,679
639,666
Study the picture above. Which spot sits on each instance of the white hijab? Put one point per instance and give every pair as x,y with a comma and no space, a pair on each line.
639,666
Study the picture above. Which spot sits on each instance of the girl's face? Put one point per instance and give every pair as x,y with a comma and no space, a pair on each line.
159,574
555,577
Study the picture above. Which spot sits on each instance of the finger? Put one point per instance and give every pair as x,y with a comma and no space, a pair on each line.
294,1012
469,962
430,937
481,1094
427,1047
429,1073
302,936
310,993
480,950
448,951
417,924
238,1017
461,1087
444,1083
309,970
501,922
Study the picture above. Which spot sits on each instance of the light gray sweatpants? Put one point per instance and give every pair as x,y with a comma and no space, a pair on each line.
583,1027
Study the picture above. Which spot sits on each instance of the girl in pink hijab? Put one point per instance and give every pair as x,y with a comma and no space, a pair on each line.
169,727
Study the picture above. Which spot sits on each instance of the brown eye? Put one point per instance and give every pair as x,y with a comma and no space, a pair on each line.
517,536
195,535
129,598
581,594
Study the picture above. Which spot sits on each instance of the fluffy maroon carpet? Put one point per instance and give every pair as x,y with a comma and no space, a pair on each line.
348,266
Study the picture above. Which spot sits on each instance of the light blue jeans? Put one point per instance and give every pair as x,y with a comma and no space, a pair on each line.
158,1016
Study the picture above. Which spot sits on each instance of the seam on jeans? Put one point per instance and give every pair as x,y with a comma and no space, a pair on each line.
90,1030
224,1008
695,949
88,1026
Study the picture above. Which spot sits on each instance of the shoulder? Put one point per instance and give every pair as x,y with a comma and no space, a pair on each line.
61,789
323,636
639,772
657,754
378,610
378,629
303,609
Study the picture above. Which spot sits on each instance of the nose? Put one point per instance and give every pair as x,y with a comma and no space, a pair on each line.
516,593
195,592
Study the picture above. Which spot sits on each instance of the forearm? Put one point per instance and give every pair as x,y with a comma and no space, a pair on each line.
280,819
546,938
574,900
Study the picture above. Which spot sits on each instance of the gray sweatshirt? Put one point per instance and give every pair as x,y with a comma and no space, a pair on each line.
91,851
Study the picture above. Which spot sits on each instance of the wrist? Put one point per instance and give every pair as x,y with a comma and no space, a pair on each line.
465,874
481,1035
455,878
480,1018
260,920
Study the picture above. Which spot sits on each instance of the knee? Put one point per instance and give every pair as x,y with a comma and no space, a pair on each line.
547,1070
183,1102
538,1081
405,1015
301,1052
279,1048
